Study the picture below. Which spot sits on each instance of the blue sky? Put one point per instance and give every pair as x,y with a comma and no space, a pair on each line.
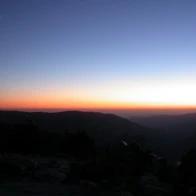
91,46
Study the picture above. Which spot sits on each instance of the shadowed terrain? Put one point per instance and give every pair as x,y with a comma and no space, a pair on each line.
96,153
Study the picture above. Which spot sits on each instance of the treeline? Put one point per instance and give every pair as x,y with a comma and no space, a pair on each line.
29,139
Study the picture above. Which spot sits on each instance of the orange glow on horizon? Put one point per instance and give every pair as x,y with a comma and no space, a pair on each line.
145,95
89,104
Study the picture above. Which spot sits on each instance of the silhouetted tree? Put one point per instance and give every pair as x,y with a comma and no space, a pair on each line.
78,144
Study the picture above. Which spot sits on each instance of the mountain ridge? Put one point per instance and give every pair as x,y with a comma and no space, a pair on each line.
96,124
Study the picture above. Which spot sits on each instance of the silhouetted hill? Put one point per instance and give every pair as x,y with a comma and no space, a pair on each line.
97,125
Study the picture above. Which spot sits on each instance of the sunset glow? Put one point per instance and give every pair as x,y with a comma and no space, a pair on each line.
97,55
162,94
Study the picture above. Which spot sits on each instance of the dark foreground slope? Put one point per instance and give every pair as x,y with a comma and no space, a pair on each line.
53,148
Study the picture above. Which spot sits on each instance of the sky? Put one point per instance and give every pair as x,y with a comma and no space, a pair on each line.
97,54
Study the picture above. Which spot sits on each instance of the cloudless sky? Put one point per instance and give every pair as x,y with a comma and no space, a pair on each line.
97,53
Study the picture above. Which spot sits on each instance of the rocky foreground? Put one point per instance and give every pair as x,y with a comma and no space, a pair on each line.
43,189
35,175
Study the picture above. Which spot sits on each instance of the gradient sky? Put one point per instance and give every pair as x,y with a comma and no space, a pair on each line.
74,54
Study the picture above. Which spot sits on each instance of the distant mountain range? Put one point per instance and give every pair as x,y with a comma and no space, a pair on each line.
165,120
177,125
175,133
